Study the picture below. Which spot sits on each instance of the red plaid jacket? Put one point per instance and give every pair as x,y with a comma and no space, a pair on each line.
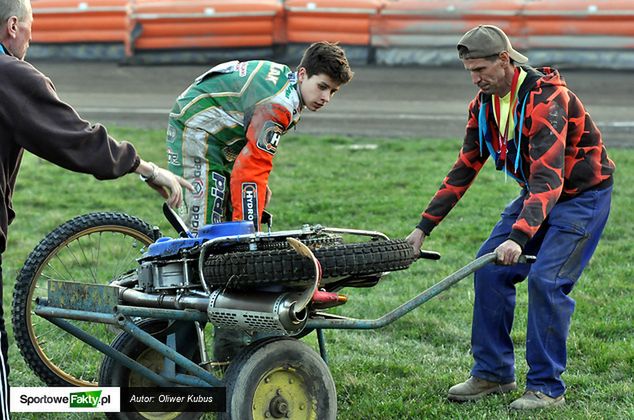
557,152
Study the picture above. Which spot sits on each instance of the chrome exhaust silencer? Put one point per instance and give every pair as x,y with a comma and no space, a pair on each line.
260,311
257,311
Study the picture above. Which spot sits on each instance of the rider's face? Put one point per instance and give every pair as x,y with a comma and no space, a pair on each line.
316,90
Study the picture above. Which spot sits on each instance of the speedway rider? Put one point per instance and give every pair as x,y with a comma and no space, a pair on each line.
224,130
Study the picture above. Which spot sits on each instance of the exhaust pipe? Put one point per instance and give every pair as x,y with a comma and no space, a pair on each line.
248,311
134,297
257,311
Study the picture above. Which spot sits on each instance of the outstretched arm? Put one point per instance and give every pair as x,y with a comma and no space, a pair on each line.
167,184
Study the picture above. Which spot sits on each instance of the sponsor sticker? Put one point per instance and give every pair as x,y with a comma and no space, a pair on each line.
172,158
218,197
274,73
269,137
242,69
227,67
198,188
250,202
196,216
171,133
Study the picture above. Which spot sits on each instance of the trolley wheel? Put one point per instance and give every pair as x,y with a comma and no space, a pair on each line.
279,378
95,248
113,374
287,267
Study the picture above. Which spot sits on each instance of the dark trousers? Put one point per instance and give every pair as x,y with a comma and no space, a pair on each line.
4,359
563,246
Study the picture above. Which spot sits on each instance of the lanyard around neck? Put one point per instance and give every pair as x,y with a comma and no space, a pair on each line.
503,138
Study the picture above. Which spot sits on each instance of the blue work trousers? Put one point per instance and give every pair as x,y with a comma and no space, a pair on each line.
563,246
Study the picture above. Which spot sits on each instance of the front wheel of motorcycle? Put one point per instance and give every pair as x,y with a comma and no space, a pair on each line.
95,248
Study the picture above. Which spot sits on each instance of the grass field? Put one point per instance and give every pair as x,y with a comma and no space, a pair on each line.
404,370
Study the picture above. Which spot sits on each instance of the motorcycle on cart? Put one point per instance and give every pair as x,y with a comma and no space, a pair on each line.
132,308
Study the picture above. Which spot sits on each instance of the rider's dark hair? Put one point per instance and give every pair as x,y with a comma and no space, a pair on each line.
327,58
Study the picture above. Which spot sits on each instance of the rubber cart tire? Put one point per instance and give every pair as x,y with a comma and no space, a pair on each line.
113,374
287,267
95,248
279,378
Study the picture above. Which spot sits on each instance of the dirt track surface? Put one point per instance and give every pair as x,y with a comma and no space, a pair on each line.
379,102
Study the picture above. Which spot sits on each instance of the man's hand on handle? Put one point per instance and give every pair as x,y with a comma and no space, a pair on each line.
170,186
416,239
508,252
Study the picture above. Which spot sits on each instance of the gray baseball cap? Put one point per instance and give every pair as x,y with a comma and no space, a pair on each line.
485,41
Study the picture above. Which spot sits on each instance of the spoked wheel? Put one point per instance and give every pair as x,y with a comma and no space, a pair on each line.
279,378
96,248
113,374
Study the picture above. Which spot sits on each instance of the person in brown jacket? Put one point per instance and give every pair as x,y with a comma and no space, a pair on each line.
33,118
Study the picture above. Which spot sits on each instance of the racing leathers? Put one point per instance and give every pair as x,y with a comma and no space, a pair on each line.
222,136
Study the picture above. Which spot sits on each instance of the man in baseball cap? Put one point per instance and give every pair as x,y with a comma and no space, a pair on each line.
521,119
487,41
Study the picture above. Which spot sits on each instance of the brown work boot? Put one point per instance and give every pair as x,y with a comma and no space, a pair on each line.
476,388
535,399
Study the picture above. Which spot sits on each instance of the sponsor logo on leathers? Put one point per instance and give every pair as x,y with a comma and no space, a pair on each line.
270,137
250,202
242,69
218,197
171,134
274,73
172,158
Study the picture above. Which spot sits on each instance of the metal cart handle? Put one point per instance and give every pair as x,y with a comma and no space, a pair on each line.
330,321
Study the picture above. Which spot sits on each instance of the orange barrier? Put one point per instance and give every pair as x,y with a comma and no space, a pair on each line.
347,22
158,25
426,32
77,21
580,32
580,24
415,23
388,31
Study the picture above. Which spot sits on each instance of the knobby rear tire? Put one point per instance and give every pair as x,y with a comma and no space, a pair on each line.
287,267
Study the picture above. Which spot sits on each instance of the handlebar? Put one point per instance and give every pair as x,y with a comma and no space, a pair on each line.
429,255
432,255
527,259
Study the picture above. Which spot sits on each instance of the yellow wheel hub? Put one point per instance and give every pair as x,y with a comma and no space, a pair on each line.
282,393
154,361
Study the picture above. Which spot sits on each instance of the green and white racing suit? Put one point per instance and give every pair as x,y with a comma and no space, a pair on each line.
222,136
